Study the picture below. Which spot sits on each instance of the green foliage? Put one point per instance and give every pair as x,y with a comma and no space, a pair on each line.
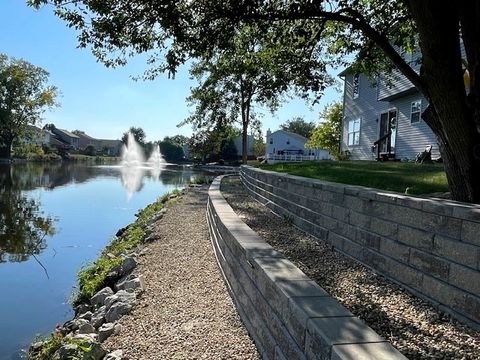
229,150
171,150
394,176
138,134
327,134
90,150
24,96
91,277
52,343
299,126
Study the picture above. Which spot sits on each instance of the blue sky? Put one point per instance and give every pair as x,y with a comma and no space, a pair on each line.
106,102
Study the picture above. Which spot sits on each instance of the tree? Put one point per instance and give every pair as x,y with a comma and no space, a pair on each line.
251,71
171,150
177,139
327,134
299,126
229,150
24,96
372,33
138,134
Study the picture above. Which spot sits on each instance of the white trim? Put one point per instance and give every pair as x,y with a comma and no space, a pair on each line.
419,111
355,132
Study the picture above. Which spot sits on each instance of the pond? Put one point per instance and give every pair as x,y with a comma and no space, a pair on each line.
54,218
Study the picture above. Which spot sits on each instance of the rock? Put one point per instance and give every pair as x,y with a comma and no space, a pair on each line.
96,353
89,338
110,256
130,282
69,351
36,347
117,310
121,296
128,265
86,316
98,318
116,355
86,329
99,297
117,329
82,308
121,231
151,238
105,331
70,326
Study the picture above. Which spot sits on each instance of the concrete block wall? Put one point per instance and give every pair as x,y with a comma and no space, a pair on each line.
287,314
430,246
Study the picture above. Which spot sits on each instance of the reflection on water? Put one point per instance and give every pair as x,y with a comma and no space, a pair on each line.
23,226
89,204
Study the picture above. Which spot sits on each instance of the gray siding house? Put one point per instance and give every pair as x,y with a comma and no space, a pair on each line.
382,121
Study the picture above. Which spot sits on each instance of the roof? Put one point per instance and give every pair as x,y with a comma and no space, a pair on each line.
107,142
84,136
68,133
346,71
297,136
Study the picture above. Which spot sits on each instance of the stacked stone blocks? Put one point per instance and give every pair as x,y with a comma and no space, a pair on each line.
431,246
287,314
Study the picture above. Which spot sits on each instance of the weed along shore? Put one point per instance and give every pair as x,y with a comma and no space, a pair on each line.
155,292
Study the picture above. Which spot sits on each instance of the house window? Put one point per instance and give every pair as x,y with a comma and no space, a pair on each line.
356,87
288,142
415,111
354,132
271,141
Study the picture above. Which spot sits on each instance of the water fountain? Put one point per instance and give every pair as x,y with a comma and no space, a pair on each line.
156,159
132,152
134,165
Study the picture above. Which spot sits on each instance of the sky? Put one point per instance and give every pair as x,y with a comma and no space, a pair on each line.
105,102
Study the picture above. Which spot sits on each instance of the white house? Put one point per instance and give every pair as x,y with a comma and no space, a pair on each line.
287,146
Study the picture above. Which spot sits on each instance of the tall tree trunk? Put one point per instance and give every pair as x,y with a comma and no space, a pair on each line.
6,149
450,116
245,123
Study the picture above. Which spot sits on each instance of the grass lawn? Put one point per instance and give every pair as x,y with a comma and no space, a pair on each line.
393,176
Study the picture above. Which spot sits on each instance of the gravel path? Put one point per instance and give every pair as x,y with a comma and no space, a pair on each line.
413,326
186,311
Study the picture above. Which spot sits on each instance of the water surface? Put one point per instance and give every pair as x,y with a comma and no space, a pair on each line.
53,219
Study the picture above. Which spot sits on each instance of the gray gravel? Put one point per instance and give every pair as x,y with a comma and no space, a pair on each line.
413,326
186,311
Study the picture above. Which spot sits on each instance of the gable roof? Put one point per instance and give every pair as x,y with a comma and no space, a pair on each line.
294,135
66,132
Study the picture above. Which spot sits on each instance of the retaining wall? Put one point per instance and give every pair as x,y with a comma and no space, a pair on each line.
430,246
287,314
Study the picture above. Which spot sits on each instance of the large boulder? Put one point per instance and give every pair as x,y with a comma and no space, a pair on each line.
130,282
86,329
121,296
99,298
98,318
105,331
68,351
117,310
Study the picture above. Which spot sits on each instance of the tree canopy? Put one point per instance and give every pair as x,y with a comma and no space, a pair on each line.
369,35
138,134
299,126
327,134
253,70
24,96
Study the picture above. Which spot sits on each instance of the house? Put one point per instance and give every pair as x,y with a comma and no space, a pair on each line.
383,120
103,146
67,138
287,146
38,136
250,145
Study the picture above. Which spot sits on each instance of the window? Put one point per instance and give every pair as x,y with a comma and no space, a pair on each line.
356,87
354,132
271,140
415,111
288,142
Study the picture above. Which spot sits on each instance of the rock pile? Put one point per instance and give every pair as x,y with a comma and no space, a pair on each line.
97,319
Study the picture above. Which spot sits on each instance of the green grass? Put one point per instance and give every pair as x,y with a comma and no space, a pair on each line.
392,176
52,343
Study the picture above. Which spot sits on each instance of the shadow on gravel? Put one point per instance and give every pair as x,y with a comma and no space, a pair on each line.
413,326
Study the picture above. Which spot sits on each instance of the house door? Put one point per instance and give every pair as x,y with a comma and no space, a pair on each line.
387,133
